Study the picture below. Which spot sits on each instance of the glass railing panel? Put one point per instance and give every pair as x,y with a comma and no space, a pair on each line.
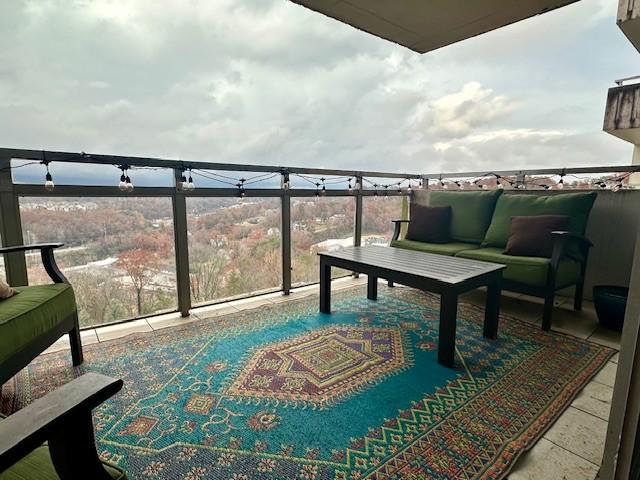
118,253
377,213
234,247
318,224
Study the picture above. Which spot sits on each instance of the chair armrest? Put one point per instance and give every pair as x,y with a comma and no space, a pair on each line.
48,259
397,224
59,417
35,246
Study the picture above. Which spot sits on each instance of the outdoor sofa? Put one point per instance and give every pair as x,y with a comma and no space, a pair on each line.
480,228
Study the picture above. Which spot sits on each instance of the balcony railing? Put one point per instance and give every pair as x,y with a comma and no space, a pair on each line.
226,236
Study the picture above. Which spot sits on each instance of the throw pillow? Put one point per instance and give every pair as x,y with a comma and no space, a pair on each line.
531,236
5,290
429,224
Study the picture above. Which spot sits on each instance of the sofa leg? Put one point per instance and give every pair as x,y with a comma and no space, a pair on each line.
547,312
577,298
77,356
390,283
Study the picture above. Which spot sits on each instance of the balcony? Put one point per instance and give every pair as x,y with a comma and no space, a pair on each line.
172,257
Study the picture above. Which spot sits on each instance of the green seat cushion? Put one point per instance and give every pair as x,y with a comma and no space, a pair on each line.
440,248
530,271
32,312
37,465
471,212
576,206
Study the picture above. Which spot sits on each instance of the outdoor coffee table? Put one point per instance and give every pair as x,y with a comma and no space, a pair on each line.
441,274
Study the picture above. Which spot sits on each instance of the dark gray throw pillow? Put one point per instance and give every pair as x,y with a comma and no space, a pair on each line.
531,236
429,224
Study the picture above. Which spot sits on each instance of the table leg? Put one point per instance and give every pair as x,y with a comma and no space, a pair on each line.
325,286
372,287
447,332
492,308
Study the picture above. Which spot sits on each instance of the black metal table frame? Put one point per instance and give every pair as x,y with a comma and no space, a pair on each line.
449,294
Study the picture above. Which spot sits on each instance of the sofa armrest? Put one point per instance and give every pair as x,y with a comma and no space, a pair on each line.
397,224
63,418
48,259
561,240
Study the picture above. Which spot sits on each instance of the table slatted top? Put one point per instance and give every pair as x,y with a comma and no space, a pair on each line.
442,268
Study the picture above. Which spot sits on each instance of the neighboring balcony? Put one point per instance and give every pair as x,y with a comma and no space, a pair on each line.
629,20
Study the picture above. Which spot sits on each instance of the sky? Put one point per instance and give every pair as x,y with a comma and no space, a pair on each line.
270,82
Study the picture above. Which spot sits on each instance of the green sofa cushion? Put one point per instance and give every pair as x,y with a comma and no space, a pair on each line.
576,206
526,270
440,248
471,212
37,466
32,312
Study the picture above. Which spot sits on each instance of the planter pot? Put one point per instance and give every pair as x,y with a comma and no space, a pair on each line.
610,303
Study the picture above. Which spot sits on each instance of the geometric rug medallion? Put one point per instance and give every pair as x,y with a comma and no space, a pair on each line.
322,366
284,392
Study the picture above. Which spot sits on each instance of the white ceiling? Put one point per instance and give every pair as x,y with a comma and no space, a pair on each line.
425,25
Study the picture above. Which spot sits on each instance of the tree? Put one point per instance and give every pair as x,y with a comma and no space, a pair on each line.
139,265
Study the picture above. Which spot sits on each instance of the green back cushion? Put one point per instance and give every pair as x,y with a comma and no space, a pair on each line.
575,205
470,212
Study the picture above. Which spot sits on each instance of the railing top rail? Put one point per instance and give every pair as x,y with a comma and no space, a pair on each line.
539,171
86,158
98,159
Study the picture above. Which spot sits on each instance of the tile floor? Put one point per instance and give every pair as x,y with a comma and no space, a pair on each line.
573,446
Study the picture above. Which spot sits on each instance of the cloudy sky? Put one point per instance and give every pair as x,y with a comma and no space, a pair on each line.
269,82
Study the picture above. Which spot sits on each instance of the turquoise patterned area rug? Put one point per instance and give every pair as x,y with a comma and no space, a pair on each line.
283,392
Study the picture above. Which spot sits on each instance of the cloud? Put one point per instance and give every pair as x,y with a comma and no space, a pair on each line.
269,82
458,114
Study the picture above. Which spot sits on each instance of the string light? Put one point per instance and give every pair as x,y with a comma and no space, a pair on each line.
183,182
560,184
285,183
240,185
49,186
190,186
125,184
349,188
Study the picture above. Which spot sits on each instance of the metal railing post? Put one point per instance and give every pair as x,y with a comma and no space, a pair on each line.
181,243
11,227
285,241
357,226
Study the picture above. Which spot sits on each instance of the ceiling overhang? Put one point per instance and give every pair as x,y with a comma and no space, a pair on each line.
425,25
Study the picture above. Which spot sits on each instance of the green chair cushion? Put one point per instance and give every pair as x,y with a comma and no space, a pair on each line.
37,465
576,206
440,248
471,212
530,271
30,313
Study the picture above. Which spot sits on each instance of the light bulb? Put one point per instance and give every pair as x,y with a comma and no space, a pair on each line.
122,186
350,188
128,184
409,189
617,187
500,185
560,184
48,184
190,185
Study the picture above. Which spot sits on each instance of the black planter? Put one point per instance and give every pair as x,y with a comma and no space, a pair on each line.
610,303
